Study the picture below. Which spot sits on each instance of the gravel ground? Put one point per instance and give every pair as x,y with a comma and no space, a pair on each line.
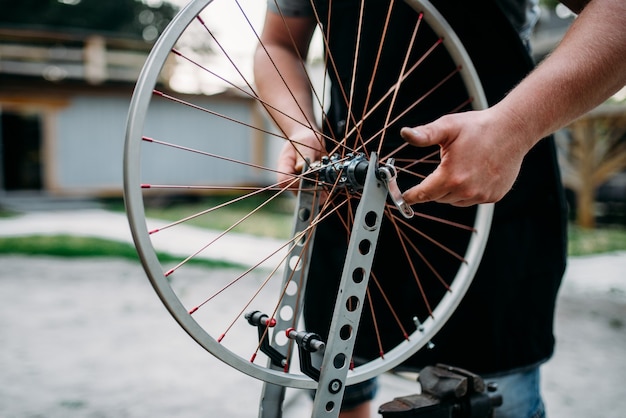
89,338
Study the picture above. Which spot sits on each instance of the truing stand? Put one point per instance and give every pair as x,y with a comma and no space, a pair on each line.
351,295
375,182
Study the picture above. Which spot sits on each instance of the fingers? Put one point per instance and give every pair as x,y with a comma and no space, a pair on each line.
307,145
301,147
432,189
299,166
461,178
459,185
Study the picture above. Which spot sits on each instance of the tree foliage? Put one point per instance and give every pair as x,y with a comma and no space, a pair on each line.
595,153
123,17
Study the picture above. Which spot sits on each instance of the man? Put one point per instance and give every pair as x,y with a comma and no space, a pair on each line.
503,327
587,67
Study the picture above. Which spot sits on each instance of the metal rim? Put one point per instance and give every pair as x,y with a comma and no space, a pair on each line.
135,212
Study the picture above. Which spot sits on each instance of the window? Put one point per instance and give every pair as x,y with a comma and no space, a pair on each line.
20,148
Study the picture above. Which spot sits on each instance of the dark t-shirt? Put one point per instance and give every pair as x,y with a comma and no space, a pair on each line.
505,321
519,12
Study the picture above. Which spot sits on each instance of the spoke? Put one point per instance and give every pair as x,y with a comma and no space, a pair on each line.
292,242
218,43
244,274
250,300
428,93
219,115
220,157
310,124
220,206
355,61
195,254
253,95
424,259
423,160
302,61
235,171
331,60
217,188
402,77
462,105
408,258
304,250
413,105
381,352
437,219
375,280
431,239
235,161
417,250
411,162
394,152
392,90
445,221
378,55
308,235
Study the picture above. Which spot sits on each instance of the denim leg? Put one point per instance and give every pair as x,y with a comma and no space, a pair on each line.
359,393
521,395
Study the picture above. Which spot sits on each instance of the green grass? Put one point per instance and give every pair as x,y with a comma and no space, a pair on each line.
582,242
66,246
596,241
271,218
278,221
266,223
73,246
5,213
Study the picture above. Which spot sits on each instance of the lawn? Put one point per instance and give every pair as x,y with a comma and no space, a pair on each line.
74,246
274,220
595,241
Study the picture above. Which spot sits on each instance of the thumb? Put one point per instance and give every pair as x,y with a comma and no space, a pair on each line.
419,136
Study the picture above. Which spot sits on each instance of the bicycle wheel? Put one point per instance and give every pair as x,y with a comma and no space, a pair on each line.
197,130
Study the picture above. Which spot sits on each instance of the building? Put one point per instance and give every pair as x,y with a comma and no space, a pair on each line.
64,99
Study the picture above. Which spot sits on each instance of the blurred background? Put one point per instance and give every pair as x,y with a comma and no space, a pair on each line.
68,68
67,73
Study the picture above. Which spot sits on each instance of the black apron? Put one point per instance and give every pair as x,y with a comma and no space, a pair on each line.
505,321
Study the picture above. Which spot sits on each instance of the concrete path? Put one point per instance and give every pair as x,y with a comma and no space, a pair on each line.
598,273
89,338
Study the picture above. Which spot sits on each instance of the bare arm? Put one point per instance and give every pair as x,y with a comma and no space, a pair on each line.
282,83
482,151
277,64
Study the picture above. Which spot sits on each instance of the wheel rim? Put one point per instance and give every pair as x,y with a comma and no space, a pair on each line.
138,164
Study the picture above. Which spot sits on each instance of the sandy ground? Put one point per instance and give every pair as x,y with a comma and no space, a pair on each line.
89,338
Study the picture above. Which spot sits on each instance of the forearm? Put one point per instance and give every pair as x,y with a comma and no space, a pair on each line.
585,69
280,77
482,151
282,84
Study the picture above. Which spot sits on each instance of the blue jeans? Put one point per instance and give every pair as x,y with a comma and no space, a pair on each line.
359,393
521,394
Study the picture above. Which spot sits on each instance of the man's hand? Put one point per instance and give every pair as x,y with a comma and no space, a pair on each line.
303,145
480,159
